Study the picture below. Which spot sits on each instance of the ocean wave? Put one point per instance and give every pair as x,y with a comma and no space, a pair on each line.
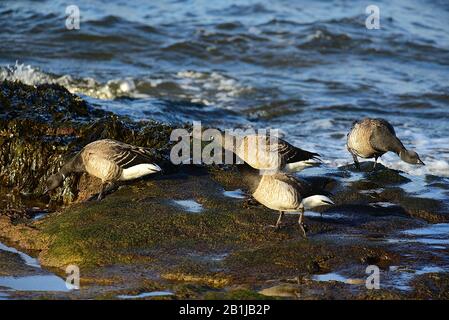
321,38
208,88
88,86
276,109
204,85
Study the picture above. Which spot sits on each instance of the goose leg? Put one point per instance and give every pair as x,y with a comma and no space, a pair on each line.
278,223
356,161
301,223
105,188
375,162
277,226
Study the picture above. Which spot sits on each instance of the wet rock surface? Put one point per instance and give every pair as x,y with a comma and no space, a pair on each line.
41,127
194,232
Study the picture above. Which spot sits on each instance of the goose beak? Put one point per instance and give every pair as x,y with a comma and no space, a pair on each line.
329,202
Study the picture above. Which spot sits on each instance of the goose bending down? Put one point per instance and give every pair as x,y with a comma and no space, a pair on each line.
109,160
263,152
371,138
282,192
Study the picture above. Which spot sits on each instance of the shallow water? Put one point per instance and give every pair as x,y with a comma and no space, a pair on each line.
37,281
402,278
396,277
146,294
29,261
3,296
34,283
236,194
189,205
314,214
435,235
332,276
308,68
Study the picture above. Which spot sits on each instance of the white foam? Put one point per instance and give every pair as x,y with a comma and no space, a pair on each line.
88,86
24,73
198,87
210,88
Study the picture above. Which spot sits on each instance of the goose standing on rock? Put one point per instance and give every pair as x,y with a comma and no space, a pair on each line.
371,138
264,153
282,192
109,160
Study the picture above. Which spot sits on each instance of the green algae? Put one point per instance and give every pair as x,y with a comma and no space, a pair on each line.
141,216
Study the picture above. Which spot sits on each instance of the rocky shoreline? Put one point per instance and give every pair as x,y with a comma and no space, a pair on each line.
192,232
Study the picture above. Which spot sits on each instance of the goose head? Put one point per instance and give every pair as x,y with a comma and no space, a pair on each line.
53,182
410,156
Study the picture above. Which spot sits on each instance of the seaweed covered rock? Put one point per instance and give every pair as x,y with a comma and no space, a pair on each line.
40,127
194,231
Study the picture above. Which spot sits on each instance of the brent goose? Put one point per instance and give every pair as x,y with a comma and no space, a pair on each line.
282,192
371,138
264,153
109,160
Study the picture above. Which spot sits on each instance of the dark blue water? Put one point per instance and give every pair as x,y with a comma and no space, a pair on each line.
308,68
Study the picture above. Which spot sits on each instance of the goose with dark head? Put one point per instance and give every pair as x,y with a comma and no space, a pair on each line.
109,160
372,138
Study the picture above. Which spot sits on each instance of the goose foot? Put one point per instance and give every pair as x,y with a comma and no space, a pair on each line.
301,224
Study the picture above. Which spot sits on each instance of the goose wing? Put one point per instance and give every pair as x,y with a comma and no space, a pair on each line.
122,154
383,137
263,152
291,154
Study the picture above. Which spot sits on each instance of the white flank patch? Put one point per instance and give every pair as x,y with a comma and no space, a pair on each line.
300,165
139,171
